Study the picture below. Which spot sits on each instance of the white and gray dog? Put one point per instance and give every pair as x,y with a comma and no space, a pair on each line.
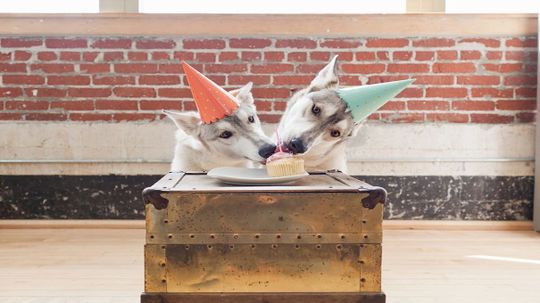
235,140
317,123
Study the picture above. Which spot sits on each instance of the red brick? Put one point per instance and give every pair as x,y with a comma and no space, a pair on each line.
319,56
518,42
478,80
387,43
189,105
529,92
393,105
408,68
363,68
424,56
73,105
160,56
297,57
136,68
516,104
155,44
447,55
271,93
88,92
68,80
470,55
263,106
12,67
95,68
184,56
402,55
204,44
520,56
10,116
364,56
269,118
491,92
279,106
113,56
160,104
340,43
309,68
22,55
111,43
174,68
5,56
113,80
428,105
90,117
249,43
205,57
271,68
446,92
494,55
453,68
70,56
486,42
434,42
345,56
65,43
159,80
53,68
228,56
90,56
133,117
491,118
241,80
525,117
296,43
447,117
520,80
386,78
503,67
411,92
383,56
274,56
10,92
473,105
402,117
374,116
137,56
437,80
45,117
116,104
27,105
20,42
251,56
174,92
45,92
292,80
134,92
23,79
225,68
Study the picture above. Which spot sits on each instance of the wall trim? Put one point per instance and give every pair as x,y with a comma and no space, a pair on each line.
136,24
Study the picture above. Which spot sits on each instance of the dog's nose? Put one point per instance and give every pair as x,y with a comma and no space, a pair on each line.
297,146
267,150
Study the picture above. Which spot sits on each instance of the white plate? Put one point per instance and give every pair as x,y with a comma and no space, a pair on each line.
250,176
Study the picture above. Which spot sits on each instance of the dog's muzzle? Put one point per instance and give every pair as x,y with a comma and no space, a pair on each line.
267,150
297,146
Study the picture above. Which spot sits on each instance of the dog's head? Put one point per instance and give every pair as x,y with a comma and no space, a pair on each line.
316,120
235,136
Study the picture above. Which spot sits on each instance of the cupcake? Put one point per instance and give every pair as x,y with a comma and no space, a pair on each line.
284,164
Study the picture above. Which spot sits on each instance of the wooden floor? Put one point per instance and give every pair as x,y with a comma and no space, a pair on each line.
106,265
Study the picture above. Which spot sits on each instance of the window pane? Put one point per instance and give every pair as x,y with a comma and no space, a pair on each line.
49,6
272,7
493,6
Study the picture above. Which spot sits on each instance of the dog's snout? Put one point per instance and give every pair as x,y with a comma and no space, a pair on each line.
267,150
296,146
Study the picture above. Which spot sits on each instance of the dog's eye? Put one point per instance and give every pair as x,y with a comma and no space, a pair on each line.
225,135
251,119
335,133
316,110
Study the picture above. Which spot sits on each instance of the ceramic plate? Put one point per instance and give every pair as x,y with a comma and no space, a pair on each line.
250,176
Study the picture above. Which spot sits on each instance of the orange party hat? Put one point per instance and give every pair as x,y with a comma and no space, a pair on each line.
213,102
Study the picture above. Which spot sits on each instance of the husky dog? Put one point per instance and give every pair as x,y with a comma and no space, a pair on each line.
231,141
317,123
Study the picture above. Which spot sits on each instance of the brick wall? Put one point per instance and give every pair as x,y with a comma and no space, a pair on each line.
459,80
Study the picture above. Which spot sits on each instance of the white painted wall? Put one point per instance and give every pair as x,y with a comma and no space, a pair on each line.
379,149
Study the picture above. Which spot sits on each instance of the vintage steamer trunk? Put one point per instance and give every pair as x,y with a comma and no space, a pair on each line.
318,240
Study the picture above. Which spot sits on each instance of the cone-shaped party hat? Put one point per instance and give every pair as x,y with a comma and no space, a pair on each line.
364,100
213,102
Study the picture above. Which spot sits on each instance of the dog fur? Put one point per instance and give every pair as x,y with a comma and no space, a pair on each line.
317,123
201,147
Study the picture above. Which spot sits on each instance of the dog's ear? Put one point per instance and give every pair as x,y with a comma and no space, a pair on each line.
326,78
189,122
243,94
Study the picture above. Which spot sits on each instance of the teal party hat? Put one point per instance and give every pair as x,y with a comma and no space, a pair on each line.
366,99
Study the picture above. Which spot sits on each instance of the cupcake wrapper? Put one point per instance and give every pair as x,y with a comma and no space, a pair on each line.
285,167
